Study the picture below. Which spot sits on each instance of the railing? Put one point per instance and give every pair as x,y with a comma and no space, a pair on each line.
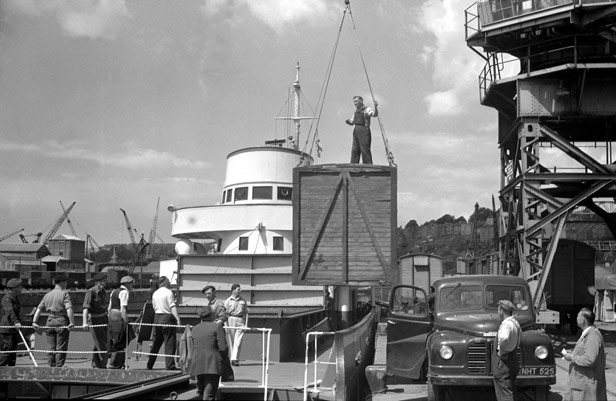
490,73
315,386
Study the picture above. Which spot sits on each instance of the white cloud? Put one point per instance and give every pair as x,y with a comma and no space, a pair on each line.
277,14
91,19
132,157
455,67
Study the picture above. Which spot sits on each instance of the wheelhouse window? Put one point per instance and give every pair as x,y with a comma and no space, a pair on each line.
517,295
284,193
261,192
278,244
243,246
219,245
241,193
224,196
461,297
229,195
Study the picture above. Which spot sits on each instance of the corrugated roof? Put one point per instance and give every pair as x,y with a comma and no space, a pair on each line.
52,259
68,237
20,248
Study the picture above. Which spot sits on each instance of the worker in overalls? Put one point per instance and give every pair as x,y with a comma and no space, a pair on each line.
362,137
10,308
505,365
119,328
61,319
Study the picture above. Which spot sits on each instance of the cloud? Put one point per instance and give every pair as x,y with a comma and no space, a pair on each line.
91,19
132,157
455,67
277,14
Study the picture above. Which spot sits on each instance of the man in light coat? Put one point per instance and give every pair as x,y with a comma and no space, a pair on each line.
587,368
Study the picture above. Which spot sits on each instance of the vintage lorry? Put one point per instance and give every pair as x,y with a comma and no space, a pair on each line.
447,336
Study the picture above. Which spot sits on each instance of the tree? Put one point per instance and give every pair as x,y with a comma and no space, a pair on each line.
445,219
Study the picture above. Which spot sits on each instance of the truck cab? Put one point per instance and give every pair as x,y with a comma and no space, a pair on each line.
448,335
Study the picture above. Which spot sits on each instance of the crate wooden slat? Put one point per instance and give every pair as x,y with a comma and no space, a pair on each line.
344,224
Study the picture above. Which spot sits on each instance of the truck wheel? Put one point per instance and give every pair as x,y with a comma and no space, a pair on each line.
435,392
541,393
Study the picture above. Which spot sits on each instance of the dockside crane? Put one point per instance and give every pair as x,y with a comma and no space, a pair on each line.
58,223
11,234
152,238
24,237
90,244
129,227
68,221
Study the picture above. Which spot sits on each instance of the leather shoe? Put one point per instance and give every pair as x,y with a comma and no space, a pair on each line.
228,379
235,363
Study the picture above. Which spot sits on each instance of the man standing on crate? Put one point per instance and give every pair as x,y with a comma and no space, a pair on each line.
362,137
165,314
61,319
10,317
95,314
119,328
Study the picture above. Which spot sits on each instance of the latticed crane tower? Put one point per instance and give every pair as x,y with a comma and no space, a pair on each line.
563,98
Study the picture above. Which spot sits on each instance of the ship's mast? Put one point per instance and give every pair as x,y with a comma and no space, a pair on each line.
296,118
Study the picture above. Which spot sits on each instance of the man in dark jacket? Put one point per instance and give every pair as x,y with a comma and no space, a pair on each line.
10,317
95,314
209,344
221,315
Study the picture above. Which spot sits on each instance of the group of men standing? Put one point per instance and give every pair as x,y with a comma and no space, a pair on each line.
107,320
586,360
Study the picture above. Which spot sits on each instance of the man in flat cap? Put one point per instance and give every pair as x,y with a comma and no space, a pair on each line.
221,315
119,328
209,346
505,364
95,314
57,303
165,314
10,317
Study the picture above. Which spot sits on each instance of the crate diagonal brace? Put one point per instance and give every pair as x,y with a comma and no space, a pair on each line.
324,218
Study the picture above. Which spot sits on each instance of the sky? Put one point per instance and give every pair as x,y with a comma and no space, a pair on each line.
114,104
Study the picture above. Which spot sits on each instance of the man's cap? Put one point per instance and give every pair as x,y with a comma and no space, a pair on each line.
100,277
204,312
60,278
162,279
13,283
127,279
207,287
506,305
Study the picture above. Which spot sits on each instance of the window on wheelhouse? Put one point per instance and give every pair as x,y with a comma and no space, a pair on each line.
243,246
461,297
278,244
284,193
224,196
241,193
229,195
261,192
219,245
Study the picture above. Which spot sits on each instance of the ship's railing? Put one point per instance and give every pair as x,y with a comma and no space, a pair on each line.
490,73
316,389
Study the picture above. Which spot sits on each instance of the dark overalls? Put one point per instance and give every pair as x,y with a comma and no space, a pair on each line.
10,337
362,138
505,371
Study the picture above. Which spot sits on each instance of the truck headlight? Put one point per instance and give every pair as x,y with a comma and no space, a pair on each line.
541,352
446,352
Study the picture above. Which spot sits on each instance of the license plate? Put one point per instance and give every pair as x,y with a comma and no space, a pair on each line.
537,371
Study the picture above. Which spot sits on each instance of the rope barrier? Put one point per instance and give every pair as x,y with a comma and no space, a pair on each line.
149,353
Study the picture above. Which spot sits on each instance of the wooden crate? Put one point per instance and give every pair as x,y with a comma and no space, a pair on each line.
344,224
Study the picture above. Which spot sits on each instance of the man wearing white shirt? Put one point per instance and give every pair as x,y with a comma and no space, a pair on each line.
505,363
165,313
237,309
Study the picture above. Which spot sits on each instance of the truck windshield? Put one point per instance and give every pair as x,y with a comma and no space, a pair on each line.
461,297
515,294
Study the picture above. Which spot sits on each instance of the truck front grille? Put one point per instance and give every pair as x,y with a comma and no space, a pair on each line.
478,358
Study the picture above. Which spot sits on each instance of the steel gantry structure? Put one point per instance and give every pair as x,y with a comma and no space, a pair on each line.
556,118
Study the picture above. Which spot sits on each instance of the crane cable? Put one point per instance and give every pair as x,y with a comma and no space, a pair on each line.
321,100
388,153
